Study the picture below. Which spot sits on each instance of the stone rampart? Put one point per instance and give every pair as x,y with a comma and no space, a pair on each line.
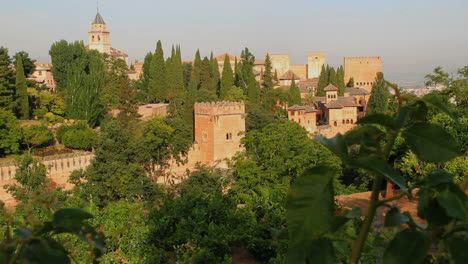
59,168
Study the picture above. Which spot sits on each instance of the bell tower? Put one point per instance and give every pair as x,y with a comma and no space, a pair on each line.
99,35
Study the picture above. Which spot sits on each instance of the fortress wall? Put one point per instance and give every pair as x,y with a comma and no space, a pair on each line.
300,70
58,167
280,63
363,70
315,61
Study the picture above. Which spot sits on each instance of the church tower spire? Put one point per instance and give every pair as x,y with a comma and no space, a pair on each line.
99,35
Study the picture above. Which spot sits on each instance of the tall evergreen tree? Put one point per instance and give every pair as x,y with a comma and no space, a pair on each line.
267,76
247,77
28,64
294,94
206,79
179,70
158,76
22,99
83,97
323,81
378,100
63,54
237,73
6,80
350,82
215,76
275,77
227,79
332,79
340,79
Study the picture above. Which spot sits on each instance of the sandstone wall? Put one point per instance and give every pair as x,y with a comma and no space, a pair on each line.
280,63
363,70
58,167
315,61
300,70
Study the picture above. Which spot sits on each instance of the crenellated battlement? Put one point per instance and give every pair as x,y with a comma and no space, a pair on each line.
216,108
372,59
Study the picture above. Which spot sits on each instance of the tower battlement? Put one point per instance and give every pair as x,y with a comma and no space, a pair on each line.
217,108
372,59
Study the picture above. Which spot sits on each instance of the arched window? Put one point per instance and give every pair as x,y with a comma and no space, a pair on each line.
343,121
205,137
335,123
352,121
92,38
347,121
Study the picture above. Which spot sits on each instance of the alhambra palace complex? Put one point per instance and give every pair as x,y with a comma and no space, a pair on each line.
218,124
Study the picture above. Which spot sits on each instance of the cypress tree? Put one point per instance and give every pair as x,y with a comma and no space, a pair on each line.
22,100
206,79
323,81
340,79
236,73
350,82
247,77
275,78
179,70
378,100
267,76
158,76
215,76
332,79
6,80
227,79
294,94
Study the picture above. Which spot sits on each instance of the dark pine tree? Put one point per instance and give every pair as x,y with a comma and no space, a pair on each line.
206,79
6,80
350,82
22,99
267,77
227,79
378,100
158,76
332,79
323,81
294,94
340,80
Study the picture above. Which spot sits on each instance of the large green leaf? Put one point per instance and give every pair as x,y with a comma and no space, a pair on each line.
379,166
379,119
44,251
395,218
431,143
457,246
310,205
337,145
70,219
454,201
316,251
438,177
408,246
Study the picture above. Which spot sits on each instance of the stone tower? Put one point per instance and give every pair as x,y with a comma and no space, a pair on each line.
315,61
363,70
217,128
99,35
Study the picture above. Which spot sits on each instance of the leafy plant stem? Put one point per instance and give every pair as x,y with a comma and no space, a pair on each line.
373,204
374,199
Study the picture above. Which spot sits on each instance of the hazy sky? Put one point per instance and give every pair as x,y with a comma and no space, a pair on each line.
412,36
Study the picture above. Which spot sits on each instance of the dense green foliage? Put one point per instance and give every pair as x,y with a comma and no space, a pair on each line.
6,80
227,78
10,132
313,223
22,99
35,136
294,94
378,100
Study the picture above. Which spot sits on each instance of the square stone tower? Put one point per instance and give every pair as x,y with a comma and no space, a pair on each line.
363,70
280,63
315,61
99,35
217,128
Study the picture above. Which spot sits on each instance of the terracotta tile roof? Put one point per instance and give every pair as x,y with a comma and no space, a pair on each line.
356,91
289,76
340,103
138,63
331,87
45,66
116,52
305,85
259,62
306,108
231,57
